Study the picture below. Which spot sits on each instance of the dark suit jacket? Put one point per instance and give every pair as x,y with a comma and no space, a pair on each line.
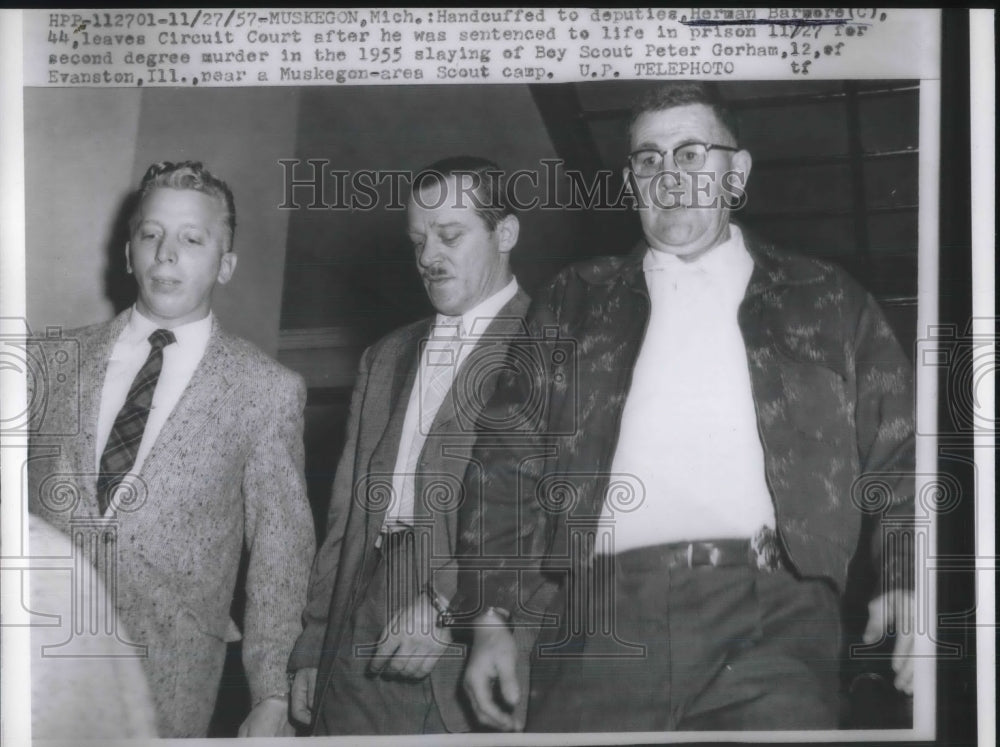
226,470
363,480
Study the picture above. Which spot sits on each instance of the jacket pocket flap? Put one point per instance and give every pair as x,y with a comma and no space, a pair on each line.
221,627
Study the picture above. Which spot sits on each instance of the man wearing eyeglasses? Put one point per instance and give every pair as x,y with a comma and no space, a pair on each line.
745,396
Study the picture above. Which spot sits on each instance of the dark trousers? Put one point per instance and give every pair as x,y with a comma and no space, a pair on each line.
358,700
642,648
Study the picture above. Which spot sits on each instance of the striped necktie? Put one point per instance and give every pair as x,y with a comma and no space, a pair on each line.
126,434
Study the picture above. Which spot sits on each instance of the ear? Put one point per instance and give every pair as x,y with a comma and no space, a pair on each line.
742,162
508,228
227,266
128,257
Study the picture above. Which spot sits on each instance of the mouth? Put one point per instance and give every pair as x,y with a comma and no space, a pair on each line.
436,279
165,283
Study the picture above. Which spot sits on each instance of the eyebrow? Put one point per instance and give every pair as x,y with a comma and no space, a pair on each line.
647,145
437,226
189,224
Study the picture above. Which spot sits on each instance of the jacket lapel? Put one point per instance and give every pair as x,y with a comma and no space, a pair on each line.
459,412
404,365
211,385
404,375
82,451
405,372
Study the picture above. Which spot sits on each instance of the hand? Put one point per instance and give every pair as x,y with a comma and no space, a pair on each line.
303,693
492,669
411,642
894,611
269,718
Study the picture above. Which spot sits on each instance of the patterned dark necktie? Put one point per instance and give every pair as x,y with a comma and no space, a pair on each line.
126,435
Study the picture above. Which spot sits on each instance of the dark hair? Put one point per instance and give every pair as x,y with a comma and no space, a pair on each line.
684,93
488,185
186,175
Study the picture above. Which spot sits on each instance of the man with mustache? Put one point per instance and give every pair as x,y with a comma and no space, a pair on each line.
694,475
373,658
189,448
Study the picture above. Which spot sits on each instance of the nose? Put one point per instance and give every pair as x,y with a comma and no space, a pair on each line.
668,188
430,253
669,178
166,251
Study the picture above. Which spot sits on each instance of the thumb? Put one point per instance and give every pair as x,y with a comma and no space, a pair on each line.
878,619
510,691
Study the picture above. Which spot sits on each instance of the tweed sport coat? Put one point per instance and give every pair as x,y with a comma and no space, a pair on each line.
225,472
832,389
357,508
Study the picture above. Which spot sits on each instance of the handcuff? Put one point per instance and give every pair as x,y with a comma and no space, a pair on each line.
446,617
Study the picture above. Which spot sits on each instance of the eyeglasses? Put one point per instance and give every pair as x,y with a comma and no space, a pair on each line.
686,156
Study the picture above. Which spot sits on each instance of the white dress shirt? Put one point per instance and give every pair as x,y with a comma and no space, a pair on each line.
689,463
451,341
180,359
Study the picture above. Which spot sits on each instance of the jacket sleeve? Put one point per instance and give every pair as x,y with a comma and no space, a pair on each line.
884,419
306,652
280,538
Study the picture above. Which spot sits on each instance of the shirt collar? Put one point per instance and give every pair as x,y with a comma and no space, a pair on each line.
475,321
139,328
721,260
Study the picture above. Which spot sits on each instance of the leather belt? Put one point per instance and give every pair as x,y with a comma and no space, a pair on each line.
763,552
389,542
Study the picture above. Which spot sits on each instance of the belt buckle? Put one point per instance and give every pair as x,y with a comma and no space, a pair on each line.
385,537
764,547
708,554
714,556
